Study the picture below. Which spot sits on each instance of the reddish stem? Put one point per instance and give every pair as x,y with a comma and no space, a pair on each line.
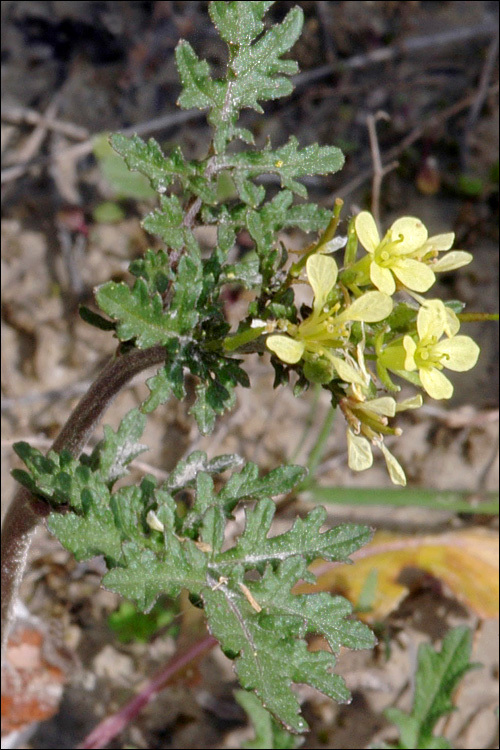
25,511
110,727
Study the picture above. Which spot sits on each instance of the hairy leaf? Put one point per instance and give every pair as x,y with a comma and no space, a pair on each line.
93,533
304,538
288,163
256,69
269,735
139,315
438,674
111,456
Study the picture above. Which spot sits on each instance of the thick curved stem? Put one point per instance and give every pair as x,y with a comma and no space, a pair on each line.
25,510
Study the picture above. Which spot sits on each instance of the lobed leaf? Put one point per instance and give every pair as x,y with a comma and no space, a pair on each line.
438,674
304,538
144,574
92,533
57,477
112,455
269,734
239,23
139,315
149,160
288,163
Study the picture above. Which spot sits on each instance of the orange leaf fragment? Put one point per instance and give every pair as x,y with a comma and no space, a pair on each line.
466,561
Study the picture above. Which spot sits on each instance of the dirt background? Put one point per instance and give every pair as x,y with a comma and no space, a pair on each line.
107,65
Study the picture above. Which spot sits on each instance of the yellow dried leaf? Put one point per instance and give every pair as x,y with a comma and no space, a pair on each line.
466,561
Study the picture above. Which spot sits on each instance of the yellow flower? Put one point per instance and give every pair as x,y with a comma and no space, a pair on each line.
360,456
441,242
324,330
429,354
391,256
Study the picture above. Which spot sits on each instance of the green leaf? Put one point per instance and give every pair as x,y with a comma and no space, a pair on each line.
238,23
112,455
270,653
245,272
288,163
153,547
57,477
139,315
323,613
149,159
166,222
130,625
188,286
94,319
115,169
269,735
185,473
199,90
256,70
93,533
248,483
304,538
154,268
144,575
205,408
438,674
169,378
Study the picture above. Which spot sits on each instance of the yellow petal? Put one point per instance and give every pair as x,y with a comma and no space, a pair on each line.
370,308
367,231
452,325
287,349
410,403
386,406
413,232
346,372
410,349
322,274
451,261
462,353
360,455
432,319
413,274
382,278
435,383
439,242
394,468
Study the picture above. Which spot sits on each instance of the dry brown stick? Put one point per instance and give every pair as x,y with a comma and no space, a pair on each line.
356,62
411,138
86,148
479,100
407,47
26,510
36,138
324,20
25,115
378,170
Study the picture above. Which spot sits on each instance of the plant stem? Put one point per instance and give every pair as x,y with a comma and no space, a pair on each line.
318,450
107,730
26,510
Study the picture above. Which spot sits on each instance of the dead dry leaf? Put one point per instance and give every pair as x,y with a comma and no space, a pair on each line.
466,561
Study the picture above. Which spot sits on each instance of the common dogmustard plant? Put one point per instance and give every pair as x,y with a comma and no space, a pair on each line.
367,312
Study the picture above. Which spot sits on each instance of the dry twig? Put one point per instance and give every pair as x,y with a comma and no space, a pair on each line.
479,99
378,170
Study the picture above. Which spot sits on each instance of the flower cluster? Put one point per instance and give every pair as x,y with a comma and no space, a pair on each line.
353,319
